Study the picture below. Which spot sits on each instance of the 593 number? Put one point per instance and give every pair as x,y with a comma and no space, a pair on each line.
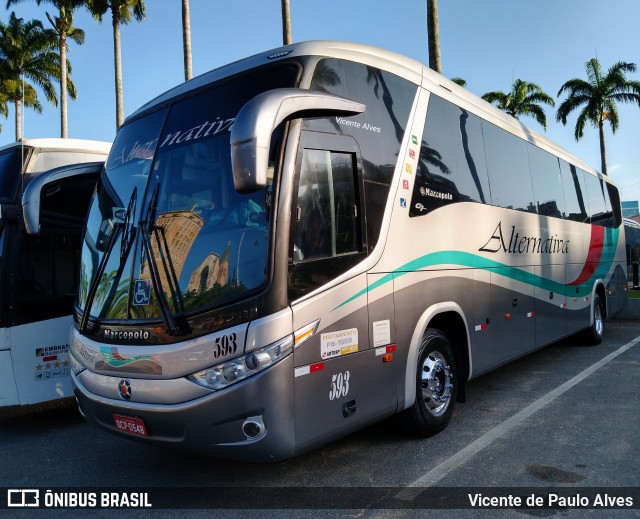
225,345
339,385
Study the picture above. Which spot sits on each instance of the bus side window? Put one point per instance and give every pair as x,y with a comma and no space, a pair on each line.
46,277
325,223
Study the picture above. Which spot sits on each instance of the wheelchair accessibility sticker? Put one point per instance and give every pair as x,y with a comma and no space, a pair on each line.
141,292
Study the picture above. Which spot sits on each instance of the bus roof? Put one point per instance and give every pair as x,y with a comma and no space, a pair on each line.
62,144
400,65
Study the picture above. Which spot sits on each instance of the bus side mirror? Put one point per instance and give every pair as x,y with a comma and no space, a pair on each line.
258,118
34,198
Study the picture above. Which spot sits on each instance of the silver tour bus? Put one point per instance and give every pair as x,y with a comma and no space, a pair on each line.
293,246
43,204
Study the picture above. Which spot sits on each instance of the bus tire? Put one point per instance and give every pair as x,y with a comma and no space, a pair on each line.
593,335
436,386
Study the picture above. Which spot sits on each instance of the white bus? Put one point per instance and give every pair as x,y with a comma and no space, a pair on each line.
301,243
43,205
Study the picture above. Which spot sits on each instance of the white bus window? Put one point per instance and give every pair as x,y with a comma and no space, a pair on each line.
50,159
9,173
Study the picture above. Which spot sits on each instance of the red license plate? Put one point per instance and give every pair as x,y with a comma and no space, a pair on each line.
130,425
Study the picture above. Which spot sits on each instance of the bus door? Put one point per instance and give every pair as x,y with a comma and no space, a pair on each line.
44,262
339,382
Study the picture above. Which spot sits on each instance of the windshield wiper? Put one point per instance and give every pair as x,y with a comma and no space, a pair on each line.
118,227
168,267
128,237
147,227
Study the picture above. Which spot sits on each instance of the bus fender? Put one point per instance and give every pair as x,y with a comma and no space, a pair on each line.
416,340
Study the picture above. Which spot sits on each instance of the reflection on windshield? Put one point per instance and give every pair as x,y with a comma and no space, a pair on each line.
198,242
209,242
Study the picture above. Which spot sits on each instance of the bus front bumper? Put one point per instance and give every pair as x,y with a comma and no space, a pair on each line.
250,421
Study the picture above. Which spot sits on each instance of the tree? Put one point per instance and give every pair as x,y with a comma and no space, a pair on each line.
433,33
286,23
64,29
599,95
186,40
524,99
26,54
459,81
4,101
122,12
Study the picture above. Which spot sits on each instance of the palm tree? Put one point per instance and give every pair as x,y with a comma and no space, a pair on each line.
599,95
459,81
433,33
186,40
122,12
286,23
524,99
64,29
4,101
26,54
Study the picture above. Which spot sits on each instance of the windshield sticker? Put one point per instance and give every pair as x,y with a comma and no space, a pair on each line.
140,151
335,344
142,292
200,131
358,125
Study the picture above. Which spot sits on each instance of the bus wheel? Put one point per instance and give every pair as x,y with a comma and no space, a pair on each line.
436,386
593,335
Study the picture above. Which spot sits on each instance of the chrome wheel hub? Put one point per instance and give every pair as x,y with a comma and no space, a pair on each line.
597,319
437,382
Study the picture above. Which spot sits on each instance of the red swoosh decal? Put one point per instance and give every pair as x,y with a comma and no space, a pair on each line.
593,258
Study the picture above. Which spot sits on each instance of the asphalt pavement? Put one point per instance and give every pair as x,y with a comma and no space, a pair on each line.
565,418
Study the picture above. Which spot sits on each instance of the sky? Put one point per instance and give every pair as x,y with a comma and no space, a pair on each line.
489,43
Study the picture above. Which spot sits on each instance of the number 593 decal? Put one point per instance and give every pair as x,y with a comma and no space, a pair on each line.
339,385
225,345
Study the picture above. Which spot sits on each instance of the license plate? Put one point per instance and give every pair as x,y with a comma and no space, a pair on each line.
130,425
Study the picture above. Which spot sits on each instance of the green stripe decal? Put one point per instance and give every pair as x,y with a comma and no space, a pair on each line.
474,261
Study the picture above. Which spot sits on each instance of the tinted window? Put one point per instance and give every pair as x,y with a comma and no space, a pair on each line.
547,182
46,160
508,167
46,278
451,166
598,210
379,130
10,171
614,200
574,192
326,224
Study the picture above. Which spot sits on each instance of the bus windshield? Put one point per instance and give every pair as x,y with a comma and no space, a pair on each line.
167,233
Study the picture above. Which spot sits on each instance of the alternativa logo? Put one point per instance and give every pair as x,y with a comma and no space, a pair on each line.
518,244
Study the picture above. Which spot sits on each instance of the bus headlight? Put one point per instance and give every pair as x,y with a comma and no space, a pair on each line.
222,375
